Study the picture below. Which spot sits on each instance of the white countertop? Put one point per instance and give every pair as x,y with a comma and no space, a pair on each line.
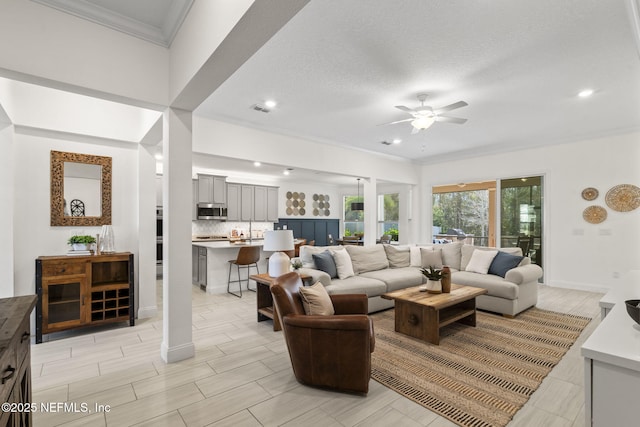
227,244
617,339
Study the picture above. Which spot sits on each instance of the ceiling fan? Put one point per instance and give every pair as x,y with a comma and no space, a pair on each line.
424,116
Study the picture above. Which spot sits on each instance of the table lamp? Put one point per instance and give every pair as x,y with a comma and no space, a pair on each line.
278,241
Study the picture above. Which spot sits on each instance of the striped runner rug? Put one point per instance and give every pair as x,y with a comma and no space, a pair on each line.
477,376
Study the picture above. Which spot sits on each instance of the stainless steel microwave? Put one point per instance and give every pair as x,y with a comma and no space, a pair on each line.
212,211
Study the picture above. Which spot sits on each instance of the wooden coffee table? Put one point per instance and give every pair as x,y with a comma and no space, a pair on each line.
421,315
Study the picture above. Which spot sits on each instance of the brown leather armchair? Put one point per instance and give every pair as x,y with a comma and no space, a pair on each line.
326,351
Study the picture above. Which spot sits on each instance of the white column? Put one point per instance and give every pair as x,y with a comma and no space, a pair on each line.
370,211
177,343
6,213
146,261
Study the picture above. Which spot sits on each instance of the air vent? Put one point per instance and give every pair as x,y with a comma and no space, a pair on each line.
385,143
261,108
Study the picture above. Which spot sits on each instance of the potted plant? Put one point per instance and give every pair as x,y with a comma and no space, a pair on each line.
433,275
296,264
81,243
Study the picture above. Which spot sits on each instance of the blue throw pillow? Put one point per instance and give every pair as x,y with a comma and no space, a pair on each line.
324,261
504,262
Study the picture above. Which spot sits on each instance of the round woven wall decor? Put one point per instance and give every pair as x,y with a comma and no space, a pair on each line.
623,198
590,193
594,214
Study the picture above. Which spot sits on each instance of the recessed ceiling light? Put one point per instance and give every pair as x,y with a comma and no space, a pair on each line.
585,93
397,141
257,164
270,103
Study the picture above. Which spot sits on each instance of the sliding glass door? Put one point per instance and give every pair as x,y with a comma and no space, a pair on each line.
521,219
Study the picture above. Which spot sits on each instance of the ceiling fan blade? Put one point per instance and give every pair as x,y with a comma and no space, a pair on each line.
407,109
397,121
450,107
445,119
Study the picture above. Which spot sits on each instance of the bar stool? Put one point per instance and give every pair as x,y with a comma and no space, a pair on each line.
248,256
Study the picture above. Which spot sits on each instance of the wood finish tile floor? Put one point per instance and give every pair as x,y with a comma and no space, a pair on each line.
241,376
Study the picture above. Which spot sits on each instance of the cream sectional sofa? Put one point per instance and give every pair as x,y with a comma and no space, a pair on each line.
377,269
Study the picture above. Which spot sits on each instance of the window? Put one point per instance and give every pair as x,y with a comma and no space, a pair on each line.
388,207
353,220
465,209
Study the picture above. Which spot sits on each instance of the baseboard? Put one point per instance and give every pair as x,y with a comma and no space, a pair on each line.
177,353
589,287
147,312
223,289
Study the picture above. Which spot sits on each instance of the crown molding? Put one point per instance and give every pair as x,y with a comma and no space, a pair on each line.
162,36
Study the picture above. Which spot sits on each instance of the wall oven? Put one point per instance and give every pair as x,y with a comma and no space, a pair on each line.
159,241
212,211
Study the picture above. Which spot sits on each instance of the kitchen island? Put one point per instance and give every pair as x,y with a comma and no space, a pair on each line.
218,254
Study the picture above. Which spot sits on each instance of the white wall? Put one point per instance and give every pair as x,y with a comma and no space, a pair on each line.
71,52
228,140
202,31
33,236
6,213
577,254
309,189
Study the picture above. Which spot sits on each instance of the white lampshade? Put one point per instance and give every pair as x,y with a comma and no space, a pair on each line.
277,241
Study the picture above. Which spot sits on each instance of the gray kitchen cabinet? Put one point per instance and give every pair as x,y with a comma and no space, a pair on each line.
259,203
202,268
199,266
272,204
252,203
194,205
219,189
212,189
246,201
233,202
194,264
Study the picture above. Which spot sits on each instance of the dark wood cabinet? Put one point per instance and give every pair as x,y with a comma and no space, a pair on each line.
78,291
311,229
15,359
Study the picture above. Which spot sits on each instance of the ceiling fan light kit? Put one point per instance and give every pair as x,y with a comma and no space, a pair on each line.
423,122
425,116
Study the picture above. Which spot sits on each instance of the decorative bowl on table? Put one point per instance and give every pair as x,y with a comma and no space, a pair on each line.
633,308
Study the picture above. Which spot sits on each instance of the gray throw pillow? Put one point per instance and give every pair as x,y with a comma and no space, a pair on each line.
431,258
398,257
324,262
504,262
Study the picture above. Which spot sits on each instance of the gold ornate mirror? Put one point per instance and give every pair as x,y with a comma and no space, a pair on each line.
80,189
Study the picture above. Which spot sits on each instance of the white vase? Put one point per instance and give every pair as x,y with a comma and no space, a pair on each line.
434,286
107,241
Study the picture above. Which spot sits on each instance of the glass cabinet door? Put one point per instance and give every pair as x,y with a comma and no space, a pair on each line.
62,301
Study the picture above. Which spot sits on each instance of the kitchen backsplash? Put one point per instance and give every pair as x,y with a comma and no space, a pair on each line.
210,228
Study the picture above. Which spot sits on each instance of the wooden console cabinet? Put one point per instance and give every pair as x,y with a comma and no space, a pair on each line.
78,291
15,359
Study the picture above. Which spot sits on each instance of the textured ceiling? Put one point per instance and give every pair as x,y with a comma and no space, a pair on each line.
337,70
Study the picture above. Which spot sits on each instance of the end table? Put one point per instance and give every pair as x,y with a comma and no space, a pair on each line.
266,309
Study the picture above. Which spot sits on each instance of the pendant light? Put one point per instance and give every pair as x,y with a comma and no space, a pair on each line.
358,206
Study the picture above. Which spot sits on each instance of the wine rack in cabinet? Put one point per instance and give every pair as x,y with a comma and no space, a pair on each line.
83,291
